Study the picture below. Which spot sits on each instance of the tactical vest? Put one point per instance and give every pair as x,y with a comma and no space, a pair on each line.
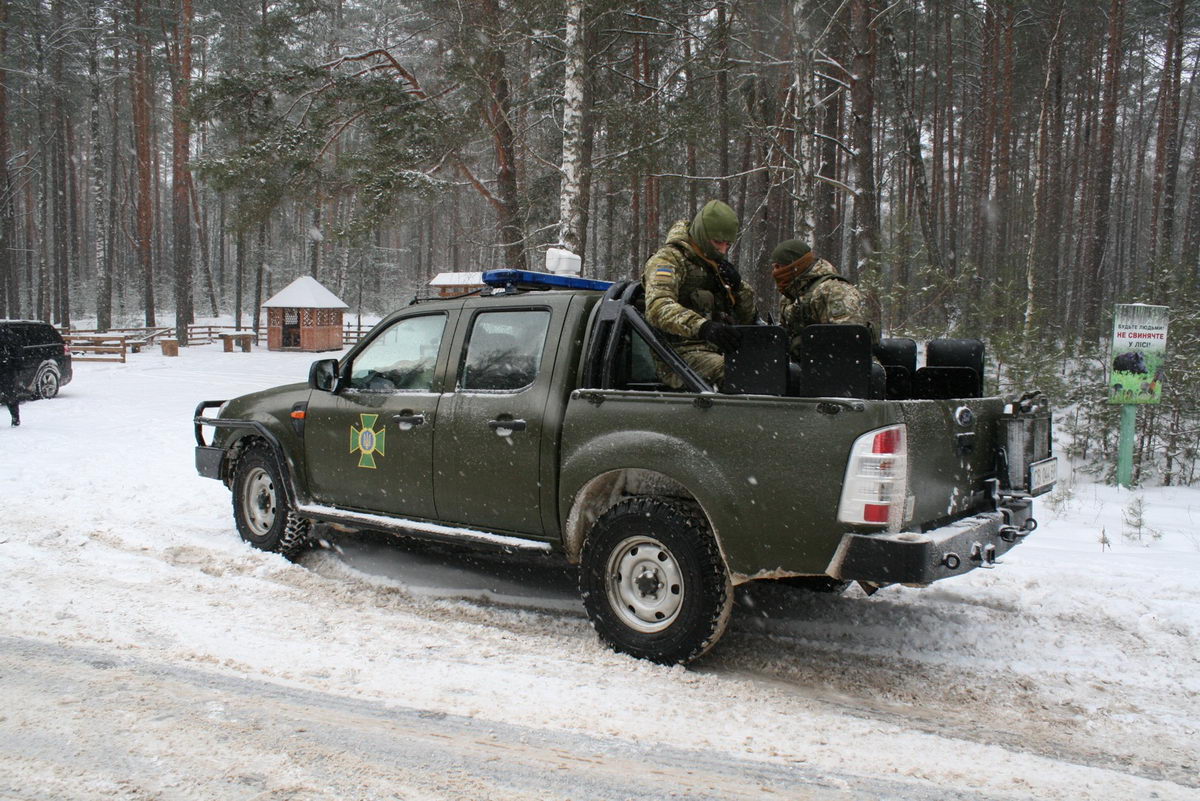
723,297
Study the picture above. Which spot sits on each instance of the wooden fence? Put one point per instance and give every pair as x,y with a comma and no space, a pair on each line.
353,332
204,334
112,345
115,344
97,347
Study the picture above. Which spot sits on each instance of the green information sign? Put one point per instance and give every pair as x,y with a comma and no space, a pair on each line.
1139,350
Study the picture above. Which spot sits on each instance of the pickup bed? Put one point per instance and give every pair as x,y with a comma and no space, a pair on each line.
532,416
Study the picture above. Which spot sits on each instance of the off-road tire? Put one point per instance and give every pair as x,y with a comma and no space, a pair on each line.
653,581
260,506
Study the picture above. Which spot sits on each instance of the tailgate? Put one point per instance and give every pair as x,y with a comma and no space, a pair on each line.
951,453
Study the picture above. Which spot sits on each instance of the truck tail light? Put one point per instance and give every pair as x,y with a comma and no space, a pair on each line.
876,483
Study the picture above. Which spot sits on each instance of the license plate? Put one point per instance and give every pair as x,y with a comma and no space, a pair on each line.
1042,475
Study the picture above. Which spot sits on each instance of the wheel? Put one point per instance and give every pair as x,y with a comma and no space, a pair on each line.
260,507
45,383
653,582
823,584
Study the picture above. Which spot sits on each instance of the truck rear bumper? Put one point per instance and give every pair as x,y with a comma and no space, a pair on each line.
922,558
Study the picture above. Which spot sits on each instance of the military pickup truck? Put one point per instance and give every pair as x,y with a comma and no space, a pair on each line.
532,416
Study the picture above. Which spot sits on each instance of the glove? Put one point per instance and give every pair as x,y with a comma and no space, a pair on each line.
725,337
729,274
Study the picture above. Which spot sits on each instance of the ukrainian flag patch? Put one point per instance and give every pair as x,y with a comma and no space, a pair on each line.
665,272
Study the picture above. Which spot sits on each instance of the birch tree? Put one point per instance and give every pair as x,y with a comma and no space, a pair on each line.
571,206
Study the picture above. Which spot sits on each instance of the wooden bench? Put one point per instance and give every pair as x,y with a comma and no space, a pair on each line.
243,339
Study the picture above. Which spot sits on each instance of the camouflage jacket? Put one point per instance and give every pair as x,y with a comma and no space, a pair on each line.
820,295
683,290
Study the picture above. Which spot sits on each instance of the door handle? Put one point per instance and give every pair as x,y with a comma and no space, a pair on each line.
504,428
406,420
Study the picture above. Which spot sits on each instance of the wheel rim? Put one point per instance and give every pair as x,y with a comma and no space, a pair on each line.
258,502
645,585
48,384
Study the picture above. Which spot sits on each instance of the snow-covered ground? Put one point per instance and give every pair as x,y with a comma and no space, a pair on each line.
1070,671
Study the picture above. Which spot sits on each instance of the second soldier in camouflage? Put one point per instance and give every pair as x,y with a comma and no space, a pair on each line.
813,291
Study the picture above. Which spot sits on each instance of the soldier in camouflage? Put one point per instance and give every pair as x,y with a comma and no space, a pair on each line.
694,295
812,290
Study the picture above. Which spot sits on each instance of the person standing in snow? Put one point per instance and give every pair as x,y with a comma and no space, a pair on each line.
694,295
813,291
9,386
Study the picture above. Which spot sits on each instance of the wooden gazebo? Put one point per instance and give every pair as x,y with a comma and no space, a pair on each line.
304,315
451,285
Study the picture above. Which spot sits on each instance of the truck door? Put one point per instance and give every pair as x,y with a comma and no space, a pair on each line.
487,448
369,445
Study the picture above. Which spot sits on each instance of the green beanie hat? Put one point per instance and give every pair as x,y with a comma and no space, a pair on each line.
716,222
787,252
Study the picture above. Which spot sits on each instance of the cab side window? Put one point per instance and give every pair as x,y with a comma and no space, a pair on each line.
504,352
401,358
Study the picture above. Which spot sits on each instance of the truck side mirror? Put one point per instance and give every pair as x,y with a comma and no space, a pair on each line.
323,375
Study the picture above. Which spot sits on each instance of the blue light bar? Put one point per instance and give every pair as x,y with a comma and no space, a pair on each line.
527,279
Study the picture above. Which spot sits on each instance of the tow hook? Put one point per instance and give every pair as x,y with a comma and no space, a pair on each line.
951,561
985,555
1012,533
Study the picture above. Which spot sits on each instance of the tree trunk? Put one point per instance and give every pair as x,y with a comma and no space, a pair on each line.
181,217
239,272
1191,231
314,236
141,136
866,220
1041,188
984,114
953,174
916,161
260,258
722,109
1003,218
1098,236
497,114
59,190
96,177
571,211
201,228
827,242
114,181
1166,155
9,285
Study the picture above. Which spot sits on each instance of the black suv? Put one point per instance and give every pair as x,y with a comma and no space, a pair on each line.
43,360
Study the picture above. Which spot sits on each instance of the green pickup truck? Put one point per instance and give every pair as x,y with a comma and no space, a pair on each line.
532,416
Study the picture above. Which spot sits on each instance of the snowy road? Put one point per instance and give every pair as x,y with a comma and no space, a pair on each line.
92,725
147,653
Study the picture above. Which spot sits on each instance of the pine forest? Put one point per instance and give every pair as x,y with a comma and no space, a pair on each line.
988,168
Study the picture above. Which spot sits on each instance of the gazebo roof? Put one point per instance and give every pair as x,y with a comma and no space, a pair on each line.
457,279
305,292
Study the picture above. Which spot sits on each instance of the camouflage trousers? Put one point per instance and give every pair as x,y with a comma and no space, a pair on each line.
708,364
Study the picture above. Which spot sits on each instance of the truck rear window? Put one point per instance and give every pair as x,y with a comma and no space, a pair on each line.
504,351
